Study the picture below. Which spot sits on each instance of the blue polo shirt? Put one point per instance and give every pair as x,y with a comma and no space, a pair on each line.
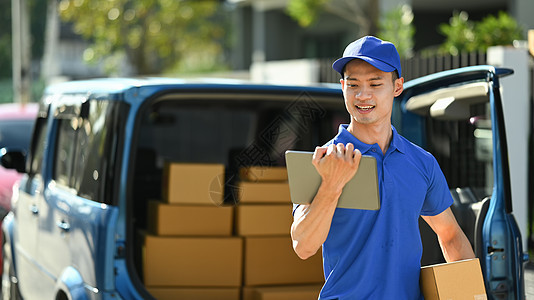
377,254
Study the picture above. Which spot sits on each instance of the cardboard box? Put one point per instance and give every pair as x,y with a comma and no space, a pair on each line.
186,220
456,280
185,183
272,261
169,293
264,192
192,261
254,220
259,173
296,292
293,292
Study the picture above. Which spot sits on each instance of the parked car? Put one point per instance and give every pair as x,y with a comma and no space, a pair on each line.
16,124
99,147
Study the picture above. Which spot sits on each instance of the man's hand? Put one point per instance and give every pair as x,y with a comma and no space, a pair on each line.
336,164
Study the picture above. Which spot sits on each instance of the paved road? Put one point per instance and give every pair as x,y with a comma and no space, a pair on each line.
529,281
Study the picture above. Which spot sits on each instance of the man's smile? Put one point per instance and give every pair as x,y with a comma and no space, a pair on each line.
365,108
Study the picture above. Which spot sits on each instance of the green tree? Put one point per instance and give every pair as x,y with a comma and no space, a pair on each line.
154,35
5,39
37,10
459,33
396,26
501,30
37,26
362,13
463,35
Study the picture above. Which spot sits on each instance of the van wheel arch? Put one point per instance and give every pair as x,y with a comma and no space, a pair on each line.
61,295
70,285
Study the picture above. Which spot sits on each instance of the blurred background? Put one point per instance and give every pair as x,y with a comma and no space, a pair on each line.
271,41
280,41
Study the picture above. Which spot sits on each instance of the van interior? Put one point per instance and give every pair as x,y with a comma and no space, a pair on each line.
457,131
239,131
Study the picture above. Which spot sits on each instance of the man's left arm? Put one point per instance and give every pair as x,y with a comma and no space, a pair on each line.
453,242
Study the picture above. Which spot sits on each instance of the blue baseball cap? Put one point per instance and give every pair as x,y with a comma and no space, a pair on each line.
382,55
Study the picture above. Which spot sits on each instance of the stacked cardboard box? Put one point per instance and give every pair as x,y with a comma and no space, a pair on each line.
263,185
189,251
263,218
192,261
185,183
293,292
197,248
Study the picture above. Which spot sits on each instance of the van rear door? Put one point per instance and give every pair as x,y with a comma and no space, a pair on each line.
457,115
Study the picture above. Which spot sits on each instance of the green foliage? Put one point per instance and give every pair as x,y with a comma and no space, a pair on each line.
5,39
463,35
501,30
460,33
155,35
37,11
5,56
305,12
6,90
396,26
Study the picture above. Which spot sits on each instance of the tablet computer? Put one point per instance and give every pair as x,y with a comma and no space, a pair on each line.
361,192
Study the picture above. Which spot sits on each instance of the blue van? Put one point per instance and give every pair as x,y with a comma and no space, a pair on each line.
96,160
98,149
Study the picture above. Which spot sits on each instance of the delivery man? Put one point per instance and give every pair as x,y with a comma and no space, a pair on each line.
375,254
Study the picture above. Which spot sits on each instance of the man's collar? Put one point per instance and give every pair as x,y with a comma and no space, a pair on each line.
346,136
396,141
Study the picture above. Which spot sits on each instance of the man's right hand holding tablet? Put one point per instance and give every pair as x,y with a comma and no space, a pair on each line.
336,164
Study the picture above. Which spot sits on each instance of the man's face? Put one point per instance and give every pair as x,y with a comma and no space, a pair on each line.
369,92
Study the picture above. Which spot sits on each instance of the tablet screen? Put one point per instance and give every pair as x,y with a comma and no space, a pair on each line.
361,192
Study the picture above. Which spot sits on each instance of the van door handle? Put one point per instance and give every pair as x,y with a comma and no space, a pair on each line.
63,225
34,209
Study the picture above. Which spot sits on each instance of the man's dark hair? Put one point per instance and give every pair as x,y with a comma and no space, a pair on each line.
394,75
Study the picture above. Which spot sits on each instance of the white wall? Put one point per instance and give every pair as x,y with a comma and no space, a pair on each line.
298,71
516,107
522,11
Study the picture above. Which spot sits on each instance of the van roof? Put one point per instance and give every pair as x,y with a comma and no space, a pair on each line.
121,85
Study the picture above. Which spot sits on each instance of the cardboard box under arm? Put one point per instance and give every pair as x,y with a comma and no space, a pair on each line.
456,280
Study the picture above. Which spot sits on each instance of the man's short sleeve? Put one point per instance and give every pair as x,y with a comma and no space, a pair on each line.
438,197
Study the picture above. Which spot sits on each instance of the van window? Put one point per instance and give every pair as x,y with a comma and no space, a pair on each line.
463,149
454,124
66,141
236,132
86,150
37,149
